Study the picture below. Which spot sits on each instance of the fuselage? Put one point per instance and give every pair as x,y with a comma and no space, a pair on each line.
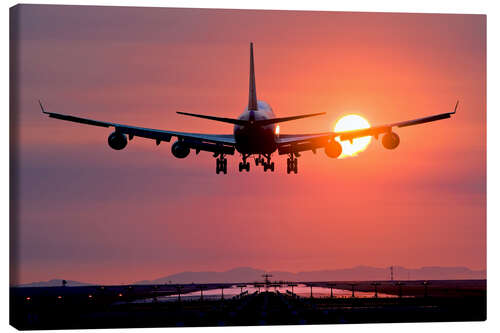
255,139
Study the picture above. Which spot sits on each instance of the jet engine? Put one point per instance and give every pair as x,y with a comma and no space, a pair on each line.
333,149
390,140
117,140
180,149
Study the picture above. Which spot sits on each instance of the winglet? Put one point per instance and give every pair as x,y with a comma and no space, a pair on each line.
455,110
41,106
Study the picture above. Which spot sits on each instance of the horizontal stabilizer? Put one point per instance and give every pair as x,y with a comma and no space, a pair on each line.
280,120
241,122
224,120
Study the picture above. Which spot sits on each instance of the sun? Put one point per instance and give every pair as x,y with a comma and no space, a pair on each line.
349,123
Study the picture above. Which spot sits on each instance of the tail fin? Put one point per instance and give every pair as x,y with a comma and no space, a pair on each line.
252,93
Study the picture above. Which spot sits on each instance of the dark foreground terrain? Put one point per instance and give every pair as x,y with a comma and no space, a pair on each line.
110,307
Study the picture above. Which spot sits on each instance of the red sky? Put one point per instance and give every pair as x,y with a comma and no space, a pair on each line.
92,214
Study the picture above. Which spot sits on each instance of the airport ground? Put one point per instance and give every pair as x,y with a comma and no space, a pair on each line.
117,306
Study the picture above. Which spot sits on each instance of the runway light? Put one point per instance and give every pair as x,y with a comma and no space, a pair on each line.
120,295
90,296
59,297
28,298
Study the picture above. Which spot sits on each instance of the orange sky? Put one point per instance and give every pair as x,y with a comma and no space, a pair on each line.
91,214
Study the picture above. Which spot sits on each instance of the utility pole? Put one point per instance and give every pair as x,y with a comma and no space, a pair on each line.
426,284
400,284
352,288
375,284
331,285
179,288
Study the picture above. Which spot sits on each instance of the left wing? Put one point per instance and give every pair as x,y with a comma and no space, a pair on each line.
295,143
216,143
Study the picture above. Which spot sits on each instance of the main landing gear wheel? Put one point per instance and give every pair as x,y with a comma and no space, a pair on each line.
244,166
269,166
221,165
292,164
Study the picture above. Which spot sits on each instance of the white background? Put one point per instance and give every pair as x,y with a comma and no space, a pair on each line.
490,8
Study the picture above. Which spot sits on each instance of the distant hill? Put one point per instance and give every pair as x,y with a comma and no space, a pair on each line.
54,283
240,274
358,273
248,274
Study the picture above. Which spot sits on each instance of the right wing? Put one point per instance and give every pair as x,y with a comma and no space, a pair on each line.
216,143
295,143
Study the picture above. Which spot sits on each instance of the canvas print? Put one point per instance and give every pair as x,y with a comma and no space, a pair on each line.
216,167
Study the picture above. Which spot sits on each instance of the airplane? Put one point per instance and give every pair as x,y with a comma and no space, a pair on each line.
254,133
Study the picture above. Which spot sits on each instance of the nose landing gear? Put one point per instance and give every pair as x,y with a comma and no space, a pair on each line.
259,160
292,164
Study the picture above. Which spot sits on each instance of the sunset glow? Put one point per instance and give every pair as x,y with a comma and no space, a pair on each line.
349,123
87,213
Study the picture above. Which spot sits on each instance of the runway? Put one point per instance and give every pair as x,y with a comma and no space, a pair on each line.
121,306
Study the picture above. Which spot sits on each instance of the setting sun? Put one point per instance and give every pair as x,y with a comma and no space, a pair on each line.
349,123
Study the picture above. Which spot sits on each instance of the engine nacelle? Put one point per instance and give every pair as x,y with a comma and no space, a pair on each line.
333,149
390,140
117,140
180,149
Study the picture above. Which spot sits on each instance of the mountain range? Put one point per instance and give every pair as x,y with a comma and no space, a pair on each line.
358,273
248,274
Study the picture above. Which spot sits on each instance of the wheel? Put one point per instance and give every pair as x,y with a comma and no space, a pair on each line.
247,166
265,167
225,166
240,166
257,162
295,165
272,167
288,166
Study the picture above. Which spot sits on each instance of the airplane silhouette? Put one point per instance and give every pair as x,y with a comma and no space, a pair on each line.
254,134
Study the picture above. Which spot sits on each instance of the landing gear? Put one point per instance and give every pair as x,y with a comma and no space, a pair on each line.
221,164
244,165
292,164
268,165
259,160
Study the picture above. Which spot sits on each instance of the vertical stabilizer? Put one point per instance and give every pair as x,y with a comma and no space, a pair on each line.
252,93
